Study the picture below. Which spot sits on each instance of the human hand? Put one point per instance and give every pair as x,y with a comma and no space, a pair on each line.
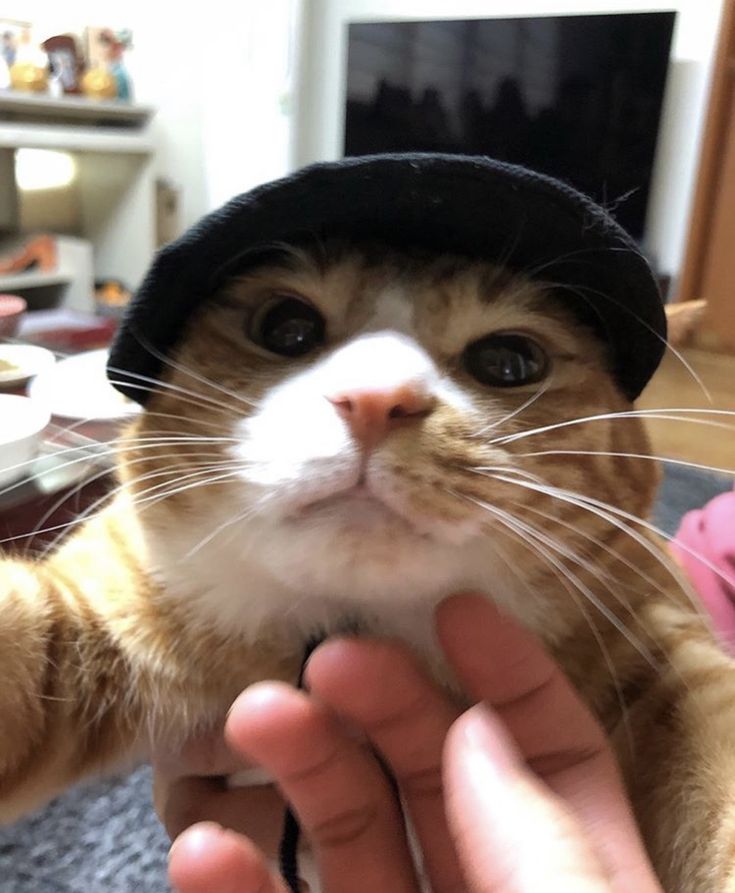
520,793
192,784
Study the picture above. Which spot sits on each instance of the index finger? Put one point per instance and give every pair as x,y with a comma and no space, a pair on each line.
558,738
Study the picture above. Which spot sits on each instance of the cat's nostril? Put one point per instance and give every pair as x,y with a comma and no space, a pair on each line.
402,412
372,414
344,405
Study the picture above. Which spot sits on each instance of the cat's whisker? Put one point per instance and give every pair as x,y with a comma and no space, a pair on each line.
516,412
106,450
72,427
505,469
199,400
242,516
677,354
589,503
138,498
572,555
154,500
166,360
533,272
155,385
89,481
207,424
65,526
614,553
87,513
665,414
656,458
571,499
579,559
575,595
95,507
185,465
542,540
662,558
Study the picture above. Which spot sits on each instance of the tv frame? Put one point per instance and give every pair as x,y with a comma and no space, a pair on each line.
320,84
630,171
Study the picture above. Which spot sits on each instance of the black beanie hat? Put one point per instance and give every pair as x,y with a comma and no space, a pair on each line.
472,206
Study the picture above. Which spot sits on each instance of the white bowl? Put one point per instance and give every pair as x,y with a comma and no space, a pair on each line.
19,362
21,424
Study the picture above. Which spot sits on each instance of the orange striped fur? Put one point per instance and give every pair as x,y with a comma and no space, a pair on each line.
207,570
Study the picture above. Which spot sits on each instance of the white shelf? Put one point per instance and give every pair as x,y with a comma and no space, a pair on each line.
14,135
35,105
32,279
114,189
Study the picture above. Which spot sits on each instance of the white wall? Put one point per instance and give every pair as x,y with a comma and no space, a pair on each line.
217,75
321,88
246,124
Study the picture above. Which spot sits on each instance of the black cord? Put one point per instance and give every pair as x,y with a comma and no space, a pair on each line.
288,855
288,851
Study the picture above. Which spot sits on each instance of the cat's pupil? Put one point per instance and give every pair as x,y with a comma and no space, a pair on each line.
291,328
506,360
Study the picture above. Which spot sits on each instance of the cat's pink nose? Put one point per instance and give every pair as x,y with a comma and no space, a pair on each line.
373,414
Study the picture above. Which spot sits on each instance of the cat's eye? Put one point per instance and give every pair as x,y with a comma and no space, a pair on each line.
288,326
506,360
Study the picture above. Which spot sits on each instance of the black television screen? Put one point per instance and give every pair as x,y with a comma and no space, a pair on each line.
578,97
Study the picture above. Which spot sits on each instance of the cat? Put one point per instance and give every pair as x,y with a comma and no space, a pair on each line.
345,435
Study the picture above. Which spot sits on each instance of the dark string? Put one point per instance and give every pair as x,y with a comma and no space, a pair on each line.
288,851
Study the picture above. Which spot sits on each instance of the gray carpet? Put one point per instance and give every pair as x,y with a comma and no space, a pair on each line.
105,838
101,838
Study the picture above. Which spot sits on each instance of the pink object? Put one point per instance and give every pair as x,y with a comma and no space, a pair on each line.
12,309
705,547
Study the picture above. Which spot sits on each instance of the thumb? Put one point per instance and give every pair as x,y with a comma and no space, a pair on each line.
511,832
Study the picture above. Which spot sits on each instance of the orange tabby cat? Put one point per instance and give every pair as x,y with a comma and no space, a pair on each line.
342,439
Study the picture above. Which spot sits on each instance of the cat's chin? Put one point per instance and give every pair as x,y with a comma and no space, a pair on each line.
357,510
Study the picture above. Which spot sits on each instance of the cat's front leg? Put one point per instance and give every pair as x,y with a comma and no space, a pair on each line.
67,705
678,755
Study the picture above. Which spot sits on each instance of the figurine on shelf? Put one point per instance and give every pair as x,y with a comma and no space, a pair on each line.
98,83
10,33
29,71
8,48
64,62
118,43
107,72
4,73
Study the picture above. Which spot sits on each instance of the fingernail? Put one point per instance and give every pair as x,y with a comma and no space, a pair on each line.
488,740
196,837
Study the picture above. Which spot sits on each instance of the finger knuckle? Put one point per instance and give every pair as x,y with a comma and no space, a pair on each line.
345,828
423,784
549,764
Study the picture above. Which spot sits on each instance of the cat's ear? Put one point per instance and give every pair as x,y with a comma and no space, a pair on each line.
683,320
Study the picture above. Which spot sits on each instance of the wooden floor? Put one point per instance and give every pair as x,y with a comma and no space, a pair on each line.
674,386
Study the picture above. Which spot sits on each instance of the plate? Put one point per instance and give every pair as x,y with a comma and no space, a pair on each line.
19,362
77,388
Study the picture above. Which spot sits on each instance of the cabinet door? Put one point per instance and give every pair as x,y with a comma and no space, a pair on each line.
8,192
718,274
709,268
